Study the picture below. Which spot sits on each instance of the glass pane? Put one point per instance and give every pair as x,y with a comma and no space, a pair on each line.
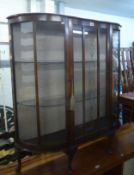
102,45
25,80
52,97
23,41
50,42
91,74
115,70
27,121
26,111
51,77
77,45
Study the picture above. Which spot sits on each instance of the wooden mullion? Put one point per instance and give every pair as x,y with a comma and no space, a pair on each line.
119,76
13,77
69,80
110,81
36,81
107,75
98,72
83,79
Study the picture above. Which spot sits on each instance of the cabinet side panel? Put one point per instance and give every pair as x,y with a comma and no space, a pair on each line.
25,83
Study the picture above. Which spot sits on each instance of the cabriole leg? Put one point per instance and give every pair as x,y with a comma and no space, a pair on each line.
18,156
70,153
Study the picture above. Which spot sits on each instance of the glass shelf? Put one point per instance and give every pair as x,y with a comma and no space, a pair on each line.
44,102
60,101
41,62
50,61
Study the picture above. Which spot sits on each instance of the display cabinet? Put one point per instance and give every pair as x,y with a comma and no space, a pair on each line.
65,76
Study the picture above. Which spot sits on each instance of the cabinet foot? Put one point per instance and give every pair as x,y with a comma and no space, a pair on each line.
18,167
70,153
18,156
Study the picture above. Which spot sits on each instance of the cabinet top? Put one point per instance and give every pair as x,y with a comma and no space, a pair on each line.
23,17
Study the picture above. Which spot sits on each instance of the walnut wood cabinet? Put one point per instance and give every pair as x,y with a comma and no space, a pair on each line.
65,76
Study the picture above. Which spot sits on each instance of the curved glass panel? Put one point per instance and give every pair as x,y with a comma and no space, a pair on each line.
25,80
51,78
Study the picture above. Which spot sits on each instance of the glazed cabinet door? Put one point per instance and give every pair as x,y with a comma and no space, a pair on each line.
39,71
103,77
51,81
90,79
116,84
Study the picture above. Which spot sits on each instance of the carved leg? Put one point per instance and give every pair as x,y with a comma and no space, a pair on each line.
70,153
18,155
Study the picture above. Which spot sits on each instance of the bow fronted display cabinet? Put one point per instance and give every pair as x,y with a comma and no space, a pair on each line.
65,76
